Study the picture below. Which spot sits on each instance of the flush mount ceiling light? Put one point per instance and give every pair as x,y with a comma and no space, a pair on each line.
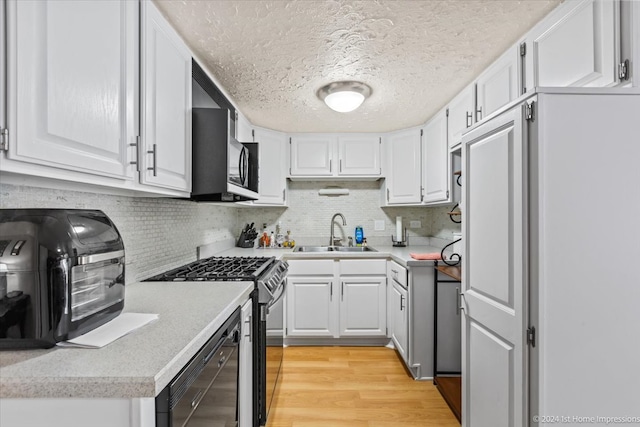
344,96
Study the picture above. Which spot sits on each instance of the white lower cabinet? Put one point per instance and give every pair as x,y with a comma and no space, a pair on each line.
400,328
336,298
311,308
245,374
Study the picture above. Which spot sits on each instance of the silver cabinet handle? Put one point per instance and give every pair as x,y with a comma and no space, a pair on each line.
153,152
401,302
331,292
221,361
330,161
479,114
340,165
469,120
459,296
283,195
250,322
387,194
342,291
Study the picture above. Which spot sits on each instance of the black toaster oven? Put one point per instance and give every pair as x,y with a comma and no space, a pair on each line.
62,274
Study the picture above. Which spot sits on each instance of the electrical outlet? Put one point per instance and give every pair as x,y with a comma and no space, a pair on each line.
415,224
378,225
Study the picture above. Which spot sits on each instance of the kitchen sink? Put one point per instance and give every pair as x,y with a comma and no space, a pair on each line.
334,248
354,249
314,249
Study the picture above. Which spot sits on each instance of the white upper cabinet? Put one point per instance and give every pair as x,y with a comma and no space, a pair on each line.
166,112
244,130
3,75
402,184
72,68
497,85
312,155
435,160
576,45
359,155
335,155
461,115
273,165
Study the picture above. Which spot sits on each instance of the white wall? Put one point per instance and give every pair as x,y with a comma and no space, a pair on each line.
158,233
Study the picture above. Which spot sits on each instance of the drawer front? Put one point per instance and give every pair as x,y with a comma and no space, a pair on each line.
362,267
397,273
316,267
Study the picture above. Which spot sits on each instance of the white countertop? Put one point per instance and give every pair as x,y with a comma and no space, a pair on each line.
140,364
398,254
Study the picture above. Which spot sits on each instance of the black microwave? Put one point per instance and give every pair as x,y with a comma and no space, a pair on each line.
224,169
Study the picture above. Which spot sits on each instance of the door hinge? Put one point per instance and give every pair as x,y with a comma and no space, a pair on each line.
523,49
528,112
623,70
531,336
4,139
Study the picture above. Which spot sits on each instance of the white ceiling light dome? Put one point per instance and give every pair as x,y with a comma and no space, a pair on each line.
344,96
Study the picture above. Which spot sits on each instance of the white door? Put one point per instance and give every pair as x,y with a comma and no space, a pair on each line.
498,84
403,174
400,320
493,331
461,114
579,49
359,155
312,307
435,160
363,306
166,112
245,380
272,173
73,84
312,155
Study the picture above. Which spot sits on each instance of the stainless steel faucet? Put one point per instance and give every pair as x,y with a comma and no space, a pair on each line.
332,239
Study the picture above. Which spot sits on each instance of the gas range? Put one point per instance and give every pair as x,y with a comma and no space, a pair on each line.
267,273
217,269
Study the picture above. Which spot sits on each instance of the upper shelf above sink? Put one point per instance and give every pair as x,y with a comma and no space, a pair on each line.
334,248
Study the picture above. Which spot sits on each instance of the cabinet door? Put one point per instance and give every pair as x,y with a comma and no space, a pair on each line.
400,319
403,175
166,111
272,175
493,359
312,307
245,379
312,155
460,116
435,160
73,84
359,155
498,84
578,48
3,69
363,306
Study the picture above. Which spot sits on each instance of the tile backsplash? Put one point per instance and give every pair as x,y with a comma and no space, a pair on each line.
162,233
158,233
309,214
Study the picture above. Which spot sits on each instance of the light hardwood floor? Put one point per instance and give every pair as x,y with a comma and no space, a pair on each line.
353,387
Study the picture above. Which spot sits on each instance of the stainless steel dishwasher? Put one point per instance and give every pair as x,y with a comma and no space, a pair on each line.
205,392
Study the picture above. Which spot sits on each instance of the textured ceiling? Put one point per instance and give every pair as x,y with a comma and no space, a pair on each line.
272,56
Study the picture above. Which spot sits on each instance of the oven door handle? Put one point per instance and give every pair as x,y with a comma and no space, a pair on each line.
278,294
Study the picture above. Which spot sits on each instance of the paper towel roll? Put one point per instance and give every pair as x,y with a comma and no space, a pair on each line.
399,236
